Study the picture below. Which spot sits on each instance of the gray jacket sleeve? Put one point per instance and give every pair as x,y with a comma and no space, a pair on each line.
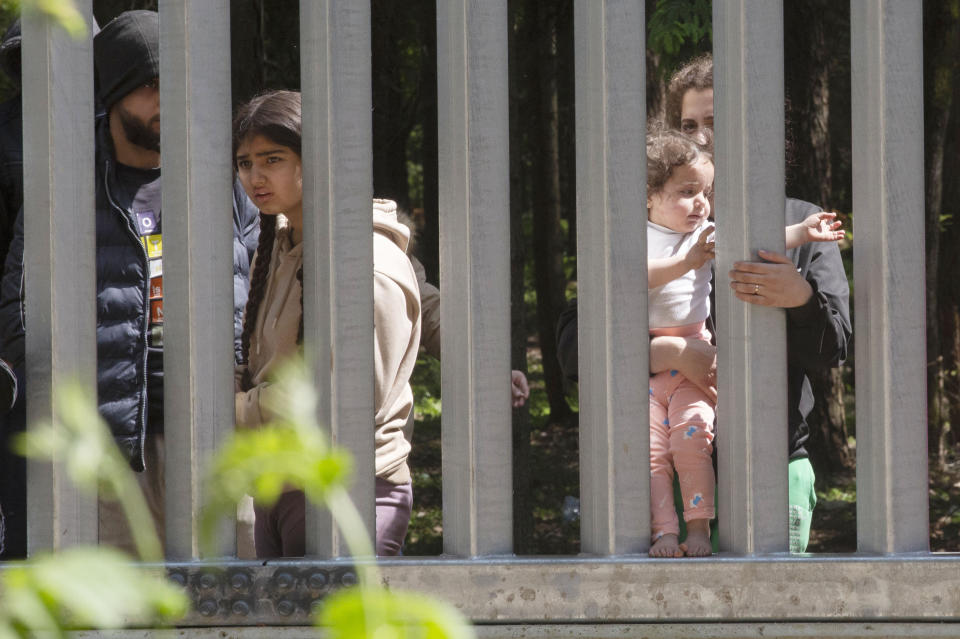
819,333
246,232
429,311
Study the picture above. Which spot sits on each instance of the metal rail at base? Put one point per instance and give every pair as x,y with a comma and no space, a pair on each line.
588,631
788,588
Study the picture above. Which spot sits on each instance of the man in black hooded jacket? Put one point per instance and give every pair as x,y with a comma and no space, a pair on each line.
13,493
129,261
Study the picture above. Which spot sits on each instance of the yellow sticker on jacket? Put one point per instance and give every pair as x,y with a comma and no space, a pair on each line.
154,245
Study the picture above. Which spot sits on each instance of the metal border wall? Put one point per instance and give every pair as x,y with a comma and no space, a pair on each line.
58,178
198,258
611,229
751,344
891,578
338,252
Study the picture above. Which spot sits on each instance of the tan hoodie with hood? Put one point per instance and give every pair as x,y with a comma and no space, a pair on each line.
396,308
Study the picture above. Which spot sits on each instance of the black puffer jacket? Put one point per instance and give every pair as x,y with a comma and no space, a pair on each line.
11,171
122,300
11,142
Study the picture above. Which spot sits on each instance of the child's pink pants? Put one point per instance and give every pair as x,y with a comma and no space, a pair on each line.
681,436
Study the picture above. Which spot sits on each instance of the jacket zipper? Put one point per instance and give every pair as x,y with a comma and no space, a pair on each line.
146,316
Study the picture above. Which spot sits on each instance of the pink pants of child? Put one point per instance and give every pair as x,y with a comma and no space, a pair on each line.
681,436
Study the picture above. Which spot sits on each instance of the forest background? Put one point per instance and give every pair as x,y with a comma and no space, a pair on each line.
265,55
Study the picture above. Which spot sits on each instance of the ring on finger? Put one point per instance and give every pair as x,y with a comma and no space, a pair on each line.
756,289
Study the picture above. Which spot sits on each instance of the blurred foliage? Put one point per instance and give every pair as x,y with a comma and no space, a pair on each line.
834,527
82,442
679,30
85,587
390,614
62,12
101,588
81,588
846,494
425,383
293,452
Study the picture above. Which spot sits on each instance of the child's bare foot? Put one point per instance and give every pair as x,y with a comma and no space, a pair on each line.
666,546
697,543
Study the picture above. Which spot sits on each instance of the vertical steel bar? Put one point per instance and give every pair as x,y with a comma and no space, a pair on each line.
198,256
752,371
474,265
338,249
59,250
888,201
612,269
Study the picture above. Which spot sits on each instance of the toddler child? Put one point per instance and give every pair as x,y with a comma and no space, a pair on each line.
680,249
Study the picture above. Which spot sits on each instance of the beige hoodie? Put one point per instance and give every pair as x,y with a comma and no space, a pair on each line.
396,308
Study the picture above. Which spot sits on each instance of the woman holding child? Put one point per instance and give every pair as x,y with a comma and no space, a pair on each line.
808,281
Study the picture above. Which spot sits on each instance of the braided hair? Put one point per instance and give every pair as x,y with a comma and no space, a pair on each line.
258,285
274,115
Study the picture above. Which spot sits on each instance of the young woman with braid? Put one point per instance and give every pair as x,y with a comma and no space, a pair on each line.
266,147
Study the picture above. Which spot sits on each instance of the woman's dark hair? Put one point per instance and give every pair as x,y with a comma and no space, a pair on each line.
696,74
667,149
276,116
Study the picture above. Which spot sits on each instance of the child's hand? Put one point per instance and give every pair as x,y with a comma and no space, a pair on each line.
701,252
819,227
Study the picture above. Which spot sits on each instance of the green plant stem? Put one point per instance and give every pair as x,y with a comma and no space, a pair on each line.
351,524
139,519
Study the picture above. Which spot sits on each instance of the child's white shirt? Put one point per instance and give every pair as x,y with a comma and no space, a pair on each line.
685,300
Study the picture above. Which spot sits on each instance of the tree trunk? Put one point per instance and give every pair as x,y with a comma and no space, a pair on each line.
566,123
656,87
941,33
391,127
943,435
246,49
547,240
810,60
522,493
430,233
829,449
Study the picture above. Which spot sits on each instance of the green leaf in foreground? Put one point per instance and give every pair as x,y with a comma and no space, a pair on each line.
263,463
62,12
83,588
80,440
379,613
292,451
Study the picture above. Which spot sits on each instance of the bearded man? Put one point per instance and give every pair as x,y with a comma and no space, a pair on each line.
129,260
